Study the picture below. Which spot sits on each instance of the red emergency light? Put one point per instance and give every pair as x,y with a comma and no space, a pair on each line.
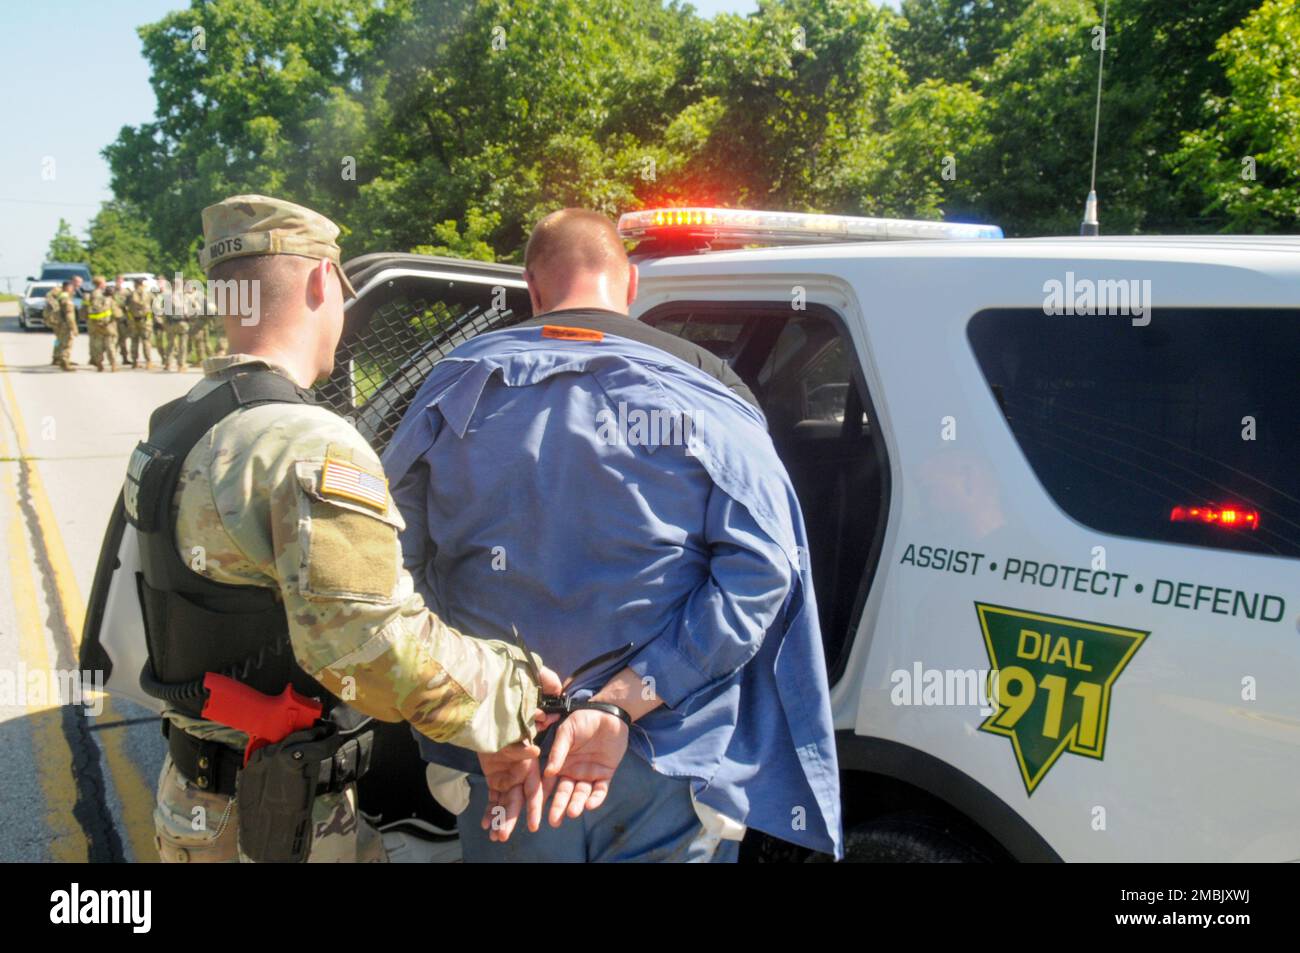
1229,516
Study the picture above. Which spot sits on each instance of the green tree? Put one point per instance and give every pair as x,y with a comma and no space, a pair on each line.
1035,64
1033,168
252,97
471,242
65,246
935,132
453,125
120,241
1246,161
513,108
955,40
1164,73
798,96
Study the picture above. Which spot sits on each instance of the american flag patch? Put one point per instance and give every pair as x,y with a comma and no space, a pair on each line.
349,482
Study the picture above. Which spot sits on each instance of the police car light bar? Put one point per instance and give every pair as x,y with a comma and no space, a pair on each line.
700,227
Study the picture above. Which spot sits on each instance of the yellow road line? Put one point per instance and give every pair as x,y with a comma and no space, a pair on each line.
135,795
52,755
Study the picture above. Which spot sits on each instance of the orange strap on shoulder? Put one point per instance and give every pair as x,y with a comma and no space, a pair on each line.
571,334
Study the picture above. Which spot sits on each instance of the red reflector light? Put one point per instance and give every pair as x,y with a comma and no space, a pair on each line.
1229,516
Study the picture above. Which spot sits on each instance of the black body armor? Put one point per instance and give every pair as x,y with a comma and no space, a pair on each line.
193,624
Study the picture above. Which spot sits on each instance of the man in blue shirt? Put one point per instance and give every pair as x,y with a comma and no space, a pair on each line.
571,476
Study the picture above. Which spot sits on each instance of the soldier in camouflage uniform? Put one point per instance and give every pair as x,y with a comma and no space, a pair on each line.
68,309
80,298
120,293
140,315
260,496
157,307
177,357
102,328
196,307
54,319
64,321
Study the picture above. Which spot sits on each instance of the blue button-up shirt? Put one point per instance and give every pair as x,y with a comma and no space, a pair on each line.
600,493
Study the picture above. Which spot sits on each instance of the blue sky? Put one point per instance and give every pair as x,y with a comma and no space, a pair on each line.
70,114
64,114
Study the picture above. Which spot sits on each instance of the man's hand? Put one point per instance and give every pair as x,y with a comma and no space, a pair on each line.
514,776
514,783
588,747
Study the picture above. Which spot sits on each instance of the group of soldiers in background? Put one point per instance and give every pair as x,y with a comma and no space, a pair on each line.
125,322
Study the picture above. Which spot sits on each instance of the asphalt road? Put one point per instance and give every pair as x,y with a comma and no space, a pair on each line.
74,786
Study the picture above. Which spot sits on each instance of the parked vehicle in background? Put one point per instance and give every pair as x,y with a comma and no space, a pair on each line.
63,270
31,306
131,277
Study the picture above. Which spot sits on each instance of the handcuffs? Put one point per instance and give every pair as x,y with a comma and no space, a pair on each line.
564,704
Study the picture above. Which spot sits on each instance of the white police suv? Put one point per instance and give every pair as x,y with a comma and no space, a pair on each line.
1052,492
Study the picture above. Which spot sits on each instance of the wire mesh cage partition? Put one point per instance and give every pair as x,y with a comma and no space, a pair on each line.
403,322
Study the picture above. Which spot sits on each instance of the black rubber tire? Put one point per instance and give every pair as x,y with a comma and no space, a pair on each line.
911,838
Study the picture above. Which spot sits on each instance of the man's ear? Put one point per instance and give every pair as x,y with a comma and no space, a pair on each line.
318,281
633,280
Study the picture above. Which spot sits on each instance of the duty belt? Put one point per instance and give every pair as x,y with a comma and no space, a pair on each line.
99,315
214,766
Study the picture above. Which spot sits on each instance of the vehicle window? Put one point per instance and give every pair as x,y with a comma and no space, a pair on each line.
393,337
59,274
1181,431
825,384
792,339
806,377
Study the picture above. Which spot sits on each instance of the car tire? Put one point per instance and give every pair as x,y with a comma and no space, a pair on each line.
914,838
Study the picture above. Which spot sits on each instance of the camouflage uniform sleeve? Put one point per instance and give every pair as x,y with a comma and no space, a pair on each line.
330,541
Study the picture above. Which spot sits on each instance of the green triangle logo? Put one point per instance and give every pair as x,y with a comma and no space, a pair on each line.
1051,682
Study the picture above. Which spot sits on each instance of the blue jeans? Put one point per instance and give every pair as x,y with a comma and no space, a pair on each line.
646,817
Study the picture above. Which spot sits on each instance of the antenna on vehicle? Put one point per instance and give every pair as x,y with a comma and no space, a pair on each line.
1091,226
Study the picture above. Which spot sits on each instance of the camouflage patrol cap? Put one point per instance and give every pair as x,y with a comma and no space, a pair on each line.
260,225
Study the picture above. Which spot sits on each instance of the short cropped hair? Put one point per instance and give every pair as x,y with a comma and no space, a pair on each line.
574,240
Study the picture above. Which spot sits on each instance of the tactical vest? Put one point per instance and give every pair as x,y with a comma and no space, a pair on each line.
194,625
100,315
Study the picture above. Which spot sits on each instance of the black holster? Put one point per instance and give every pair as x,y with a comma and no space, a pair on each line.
276,789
